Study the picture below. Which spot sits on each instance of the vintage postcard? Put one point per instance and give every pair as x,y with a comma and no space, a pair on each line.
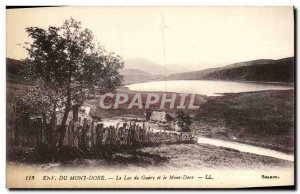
150,97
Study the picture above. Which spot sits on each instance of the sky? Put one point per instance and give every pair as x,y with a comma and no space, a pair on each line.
198,35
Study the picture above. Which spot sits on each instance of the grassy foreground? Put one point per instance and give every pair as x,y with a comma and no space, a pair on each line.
177,156
264,118
207,156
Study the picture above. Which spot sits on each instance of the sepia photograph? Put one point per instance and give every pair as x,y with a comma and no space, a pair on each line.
150,97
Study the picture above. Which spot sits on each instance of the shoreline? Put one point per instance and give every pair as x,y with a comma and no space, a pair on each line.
242,81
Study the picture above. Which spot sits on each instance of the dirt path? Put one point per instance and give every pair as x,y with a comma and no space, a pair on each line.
226,144
246,148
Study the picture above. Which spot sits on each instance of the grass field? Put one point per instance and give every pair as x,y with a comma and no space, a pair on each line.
264,119
180,156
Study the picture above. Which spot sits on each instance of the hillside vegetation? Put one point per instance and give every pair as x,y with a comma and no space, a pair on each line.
264,119
265,70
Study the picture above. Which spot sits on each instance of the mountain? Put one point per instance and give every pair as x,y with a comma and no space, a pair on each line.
131,76
141,70
158,69
133,72
144,65
175,68
267,70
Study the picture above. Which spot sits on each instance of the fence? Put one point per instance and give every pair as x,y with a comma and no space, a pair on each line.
86,133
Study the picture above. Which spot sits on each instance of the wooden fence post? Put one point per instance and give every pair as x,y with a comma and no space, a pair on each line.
99,134
93,134
88,135
76,136
39,131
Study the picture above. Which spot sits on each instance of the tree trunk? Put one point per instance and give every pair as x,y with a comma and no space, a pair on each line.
52,130
75,112
62,128
46,134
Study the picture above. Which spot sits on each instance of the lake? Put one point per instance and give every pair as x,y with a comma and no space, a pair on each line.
206,87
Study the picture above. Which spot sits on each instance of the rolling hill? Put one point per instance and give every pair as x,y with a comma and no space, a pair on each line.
266,70
131,76
144,65
13,66
159,69
142,70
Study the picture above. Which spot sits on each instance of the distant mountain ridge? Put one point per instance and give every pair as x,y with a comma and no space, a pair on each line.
144,65
266,70
131,76
142,70
159,69
133,72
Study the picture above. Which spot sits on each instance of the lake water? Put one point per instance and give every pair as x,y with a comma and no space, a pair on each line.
206,87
